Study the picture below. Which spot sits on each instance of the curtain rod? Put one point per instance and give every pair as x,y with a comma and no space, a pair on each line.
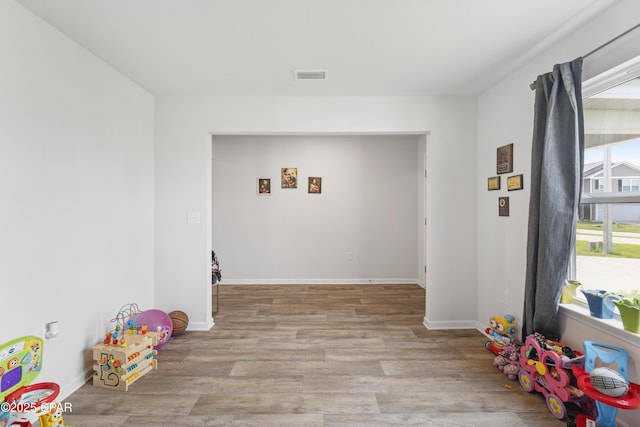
602,46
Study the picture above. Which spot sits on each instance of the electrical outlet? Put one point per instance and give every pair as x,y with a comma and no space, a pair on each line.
349,256
51,330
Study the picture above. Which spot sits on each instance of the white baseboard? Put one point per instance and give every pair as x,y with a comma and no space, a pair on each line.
450,324
481,327
201,326
67,389
360,281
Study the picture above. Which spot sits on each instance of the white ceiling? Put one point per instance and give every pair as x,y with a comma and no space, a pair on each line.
369,47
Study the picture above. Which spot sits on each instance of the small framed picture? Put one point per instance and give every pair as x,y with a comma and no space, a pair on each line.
505,159
315,185
493,183
503,206
264,186
289,177
514,183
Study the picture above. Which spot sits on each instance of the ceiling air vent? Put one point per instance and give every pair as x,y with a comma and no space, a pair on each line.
310,74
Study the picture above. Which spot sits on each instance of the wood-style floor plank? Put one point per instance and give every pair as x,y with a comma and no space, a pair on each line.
318,356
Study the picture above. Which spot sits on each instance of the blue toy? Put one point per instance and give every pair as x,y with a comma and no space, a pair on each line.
607,405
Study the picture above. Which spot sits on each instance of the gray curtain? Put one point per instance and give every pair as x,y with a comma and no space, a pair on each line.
556,183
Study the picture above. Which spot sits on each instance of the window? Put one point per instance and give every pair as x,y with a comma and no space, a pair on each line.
599,184
629,184
608,227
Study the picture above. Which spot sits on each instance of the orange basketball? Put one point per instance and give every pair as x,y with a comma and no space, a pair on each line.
180,322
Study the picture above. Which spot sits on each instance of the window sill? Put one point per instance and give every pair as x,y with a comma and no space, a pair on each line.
612,327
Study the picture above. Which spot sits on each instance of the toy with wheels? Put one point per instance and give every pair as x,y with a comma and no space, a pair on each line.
546,371
606,404
23,402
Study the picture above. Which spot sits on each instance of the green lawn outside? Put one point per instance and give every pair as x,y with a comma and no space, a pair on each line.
620,250
593,225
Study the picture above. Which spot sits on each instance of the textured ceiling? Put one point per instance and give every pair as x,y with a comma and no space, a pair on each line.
369,47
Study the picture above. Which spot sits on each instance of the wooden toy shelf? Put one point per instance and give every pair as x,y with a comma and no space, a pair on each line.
117,366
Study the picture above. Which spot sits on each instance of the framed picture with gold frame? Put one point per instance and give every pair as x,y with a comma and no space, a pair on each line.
504,163
493,183
514,183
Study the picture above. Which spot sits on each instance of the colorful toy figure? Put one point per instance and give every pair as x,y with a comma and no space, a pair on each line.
502,331
35,363
53,418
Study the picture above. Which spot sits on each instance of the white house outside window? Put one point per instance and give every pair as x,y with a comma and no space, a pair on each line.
608,228
599,185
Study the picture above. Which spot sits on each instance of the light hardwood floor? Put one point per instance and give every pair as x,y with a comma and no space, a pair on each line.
325,355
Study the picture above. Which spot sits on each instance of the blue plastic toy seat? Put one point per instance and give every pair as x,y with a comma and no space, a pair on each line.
608,355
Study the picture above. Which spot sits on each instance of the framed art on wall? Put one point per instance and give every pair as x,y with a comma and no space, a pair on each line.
514,183
289,177
503,206
493,183
505,159
264,186
315,185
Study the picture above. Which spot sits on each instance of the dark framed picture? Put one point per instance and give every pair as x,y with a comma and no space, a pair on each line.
493,183
289,177
514,183
315,185
264,186
505,159
503,206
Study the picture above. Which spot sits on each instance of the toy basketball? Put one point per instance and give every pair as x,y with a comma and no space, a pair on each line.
156,321
180,322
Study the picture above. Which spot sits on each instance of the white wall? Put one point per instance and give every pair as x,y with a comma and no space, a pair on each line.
505,115
183,185
76,179
368,207
77,183
452,217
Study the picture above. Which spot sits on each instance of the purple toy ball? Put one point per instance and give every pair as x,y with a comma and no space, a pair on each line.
156,321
